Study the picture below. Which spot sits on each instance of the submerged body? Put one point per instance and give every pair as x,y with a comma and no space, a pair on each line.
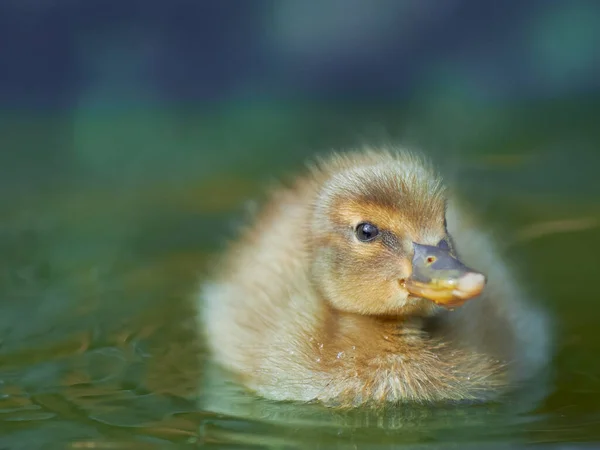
341,291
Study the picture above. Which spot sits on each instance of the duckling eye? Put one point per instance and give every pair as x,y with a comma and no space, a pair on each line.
366,232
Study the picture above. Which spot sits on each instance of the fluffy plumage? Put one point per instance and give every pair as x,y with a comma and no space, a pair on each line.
299,309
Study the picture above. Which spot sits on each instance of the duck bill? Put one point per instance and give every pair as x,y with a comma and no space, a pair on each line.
440,277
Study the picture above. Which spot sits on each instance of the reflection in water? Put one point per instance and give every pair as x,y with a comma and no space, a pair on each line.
408,424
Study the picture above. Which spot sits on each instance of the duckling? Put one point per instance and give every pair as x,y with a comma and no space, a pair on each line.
365,281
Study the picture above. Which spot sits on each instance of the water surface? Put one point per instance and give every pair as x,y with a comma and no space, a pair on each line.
101,254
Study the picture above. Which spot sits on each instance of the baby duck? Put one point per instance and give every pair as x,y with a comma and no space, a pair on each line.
348,289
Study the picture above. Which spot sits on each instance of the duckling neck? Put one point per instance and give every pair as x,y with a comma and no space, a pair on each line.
371,329
345,334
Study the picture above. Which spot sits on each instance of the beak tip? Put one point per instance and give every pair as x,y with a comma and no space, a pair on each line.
471,284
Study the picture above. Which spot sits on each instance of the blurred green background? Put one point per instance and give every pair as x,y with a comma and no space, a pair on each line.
132,133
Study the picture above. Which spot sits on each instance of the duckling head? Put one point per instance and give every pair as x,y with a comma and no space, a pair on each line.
379,243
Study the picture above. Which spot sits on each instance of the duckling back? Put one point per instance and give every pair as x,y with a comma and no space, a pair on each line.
258,310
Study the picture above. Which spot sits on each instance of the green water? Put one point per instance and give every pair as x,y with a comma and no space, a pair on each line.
104,240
